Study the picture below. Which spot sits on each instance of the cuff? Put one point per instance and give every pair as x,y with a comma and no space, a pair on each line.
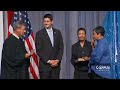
48,61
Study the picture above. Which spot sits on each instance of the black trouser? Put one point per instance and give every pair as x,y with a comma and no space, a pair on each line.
52,74
93,75
79,74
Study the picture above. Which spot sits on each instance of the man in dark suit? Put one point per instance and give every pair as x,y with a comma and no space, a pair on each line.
15,59
49,47
81,52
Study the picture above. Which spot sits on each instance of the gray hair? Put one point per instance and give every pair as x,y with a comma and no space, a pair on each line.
18,25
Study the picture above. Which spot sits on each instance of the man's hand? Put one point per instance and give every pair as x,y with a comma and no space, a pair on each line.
53,63
27,55
32,52
93,43
57,61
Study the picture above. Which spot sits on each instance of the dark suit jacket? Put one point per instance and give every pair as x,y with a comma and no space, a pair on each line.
79,52
45,50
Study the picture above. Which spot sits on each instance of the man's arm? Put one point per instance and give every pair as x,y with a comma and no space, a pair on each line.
98,53
39,46
61,47
93,44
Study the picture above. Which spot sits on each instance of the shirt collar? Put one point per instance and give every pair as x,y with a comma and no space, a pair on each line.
15,35
49,29
78,43
100,39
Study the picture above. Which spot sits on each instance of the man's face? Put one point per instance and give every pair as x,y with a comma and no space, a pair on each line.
47,23
21,31
95,35
81,35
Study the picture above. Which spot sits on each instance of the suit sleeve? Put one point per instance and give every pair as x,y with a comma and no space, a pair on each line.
10,56
61,47
39,46
73,58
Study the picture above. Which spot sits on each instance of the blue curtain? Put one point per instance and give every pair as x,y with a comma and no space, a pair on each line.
112,27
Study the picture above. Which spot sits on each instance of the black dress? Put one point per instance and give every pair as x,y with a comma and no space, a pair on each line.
81,68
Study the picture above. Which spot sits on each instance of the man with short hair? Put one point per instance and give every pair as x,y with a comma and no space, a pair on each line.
15,59
49,47
100,57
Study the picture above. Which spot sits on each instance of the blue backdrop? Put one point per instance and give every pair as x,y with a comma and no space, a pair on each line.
112,26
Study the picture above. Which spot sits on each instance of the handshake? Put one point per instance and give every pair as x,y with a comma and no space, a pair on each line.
83,59
28,55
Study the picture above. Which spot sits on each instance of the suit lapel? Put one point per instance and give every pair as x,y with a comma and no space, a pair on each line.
46,35
54,36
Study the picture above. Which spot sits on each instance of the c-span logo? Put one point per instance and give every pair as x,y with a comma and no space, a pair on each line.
102,67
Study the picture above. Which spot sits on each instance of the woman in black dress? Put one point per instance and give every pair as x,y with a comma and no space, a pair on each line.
80,55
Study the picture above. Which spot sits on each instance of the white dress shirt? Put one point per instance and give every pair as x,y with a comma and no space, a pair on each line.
15,35
50,34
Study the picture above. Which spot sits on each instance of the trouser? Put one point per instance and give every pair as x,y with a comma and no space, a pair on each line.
93,75
52,74
79,74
